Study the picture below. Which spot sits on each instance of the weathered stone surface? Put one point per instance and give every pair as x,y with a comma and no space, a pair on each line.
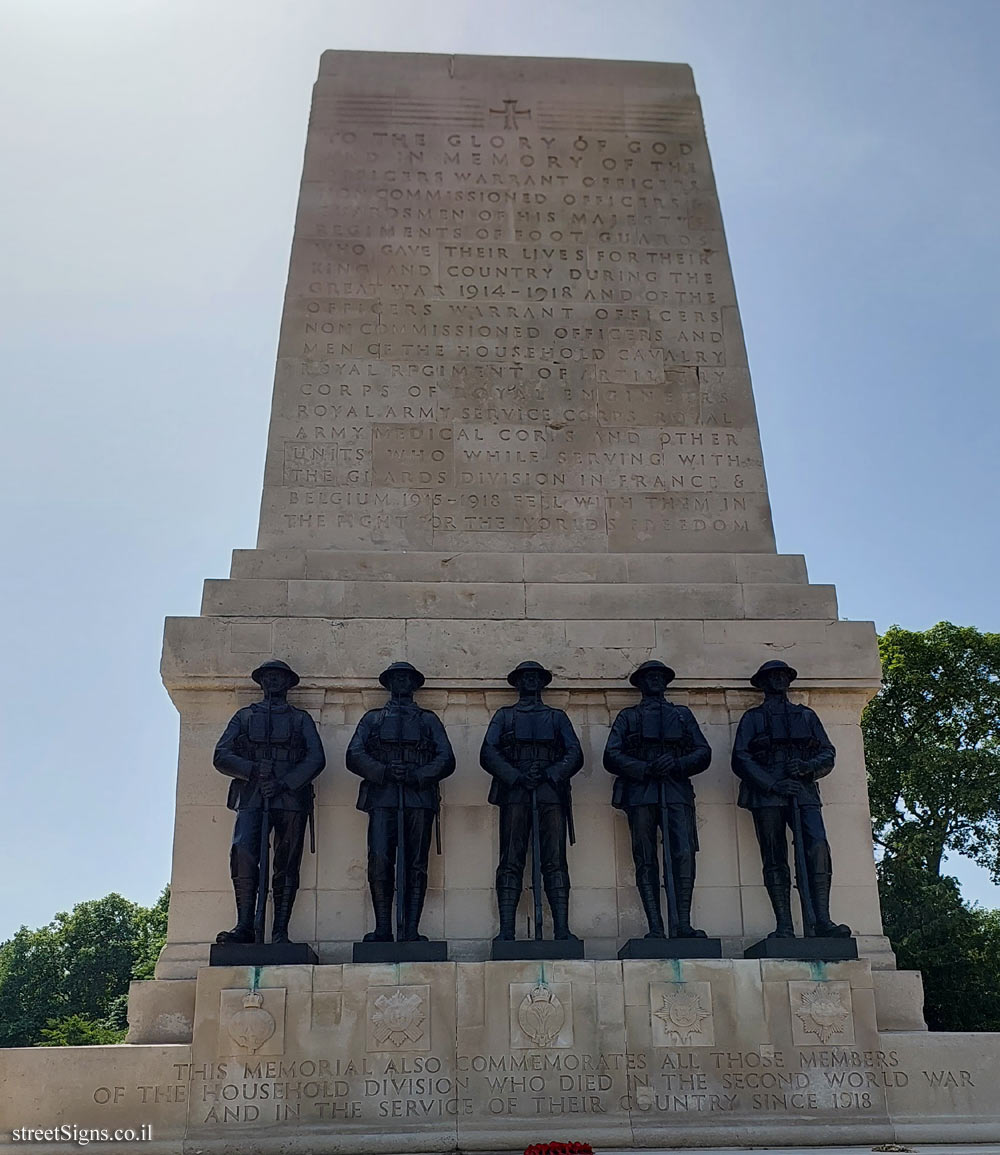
490,342
899,1000
377,565
706,652
492,1056
94,1088
948,1089
160,1012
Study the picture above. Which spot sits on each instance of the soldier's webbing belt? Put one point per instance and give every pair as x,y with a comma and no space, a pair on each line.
646,741
532,738
781,749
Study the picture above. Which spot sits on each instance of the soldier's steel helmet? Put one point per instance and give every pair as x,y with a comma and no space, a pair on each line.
527,667
293,678
636,676
775,665
406,668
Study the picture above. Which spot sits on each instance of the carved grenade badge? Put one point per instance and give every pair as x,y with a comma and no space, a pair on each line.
253,1026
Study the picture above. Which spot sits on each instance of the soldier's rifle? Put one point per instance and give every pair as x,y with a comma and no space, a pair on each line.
536,862
400,861
669,882
264,856
400,827
784,756
802,872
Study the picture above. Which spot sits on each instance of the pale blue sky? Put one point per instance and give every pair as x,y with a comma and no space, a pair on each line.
152,151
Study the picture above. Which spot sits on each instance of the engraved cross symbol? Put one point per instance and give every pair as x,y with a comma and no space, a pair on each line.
510,112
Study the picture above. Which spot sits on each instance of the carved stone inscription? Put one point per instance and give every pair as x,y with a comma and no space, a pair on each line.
671,1083
506,318
767,1081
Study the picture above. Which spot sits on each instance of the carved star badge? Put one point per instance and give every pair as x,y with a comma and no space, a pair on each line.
682,1014
822,1012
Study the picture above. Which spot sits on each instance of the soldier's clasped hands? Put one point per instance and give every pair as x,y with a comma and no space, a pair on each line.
269,785
664,766
533,777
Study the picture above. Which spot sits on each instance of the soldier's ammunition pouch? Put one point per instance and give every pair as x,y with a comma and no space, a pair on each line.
401,740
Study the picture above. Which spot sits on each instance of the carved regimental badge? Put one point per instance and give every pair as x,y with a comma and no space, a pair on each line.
252,1022
398,1018
541,1015
681,1014
821,1013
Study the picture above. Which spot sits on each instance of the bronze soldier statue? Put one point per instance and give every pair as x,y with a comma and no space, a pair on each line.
654,749
532,752
781,749
401,752
272,752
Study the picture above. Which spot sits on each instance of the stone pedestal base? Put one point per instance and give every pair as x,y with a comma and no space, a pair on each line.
494,1056
812,949
400,952
261,954
637,948
536,948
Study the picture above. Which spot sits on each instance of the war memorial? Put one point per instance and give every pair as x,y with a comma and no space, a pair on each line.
521,792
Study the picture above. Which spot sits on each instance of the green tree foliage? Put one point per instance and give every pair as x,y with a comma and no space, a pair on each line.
956,947
99,951
66,983
151,926
117,1016
78,1031
932,744
31,971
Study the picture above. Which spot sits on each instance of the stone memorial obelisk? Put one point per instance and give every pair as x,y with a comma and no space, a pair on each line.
513,420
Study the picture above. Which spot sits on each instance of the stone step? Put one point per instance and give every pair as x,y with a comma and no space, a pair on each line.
678,601
360,565
221,652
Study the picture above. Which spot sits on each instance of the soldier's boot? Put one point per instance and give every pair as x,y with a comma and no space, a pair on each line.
649,893
382,905
684,892
778,884
245,890
507,900
414,907
559,905
284,900
825,927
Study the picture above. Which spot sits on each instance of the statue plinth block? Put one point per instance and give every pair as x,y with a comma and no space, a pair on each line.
672,948
327,1059
396,952
532,949
809,949
261,954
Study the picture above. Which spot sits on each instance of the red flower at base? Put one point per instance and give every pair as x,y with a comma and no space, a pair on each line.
559,1149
